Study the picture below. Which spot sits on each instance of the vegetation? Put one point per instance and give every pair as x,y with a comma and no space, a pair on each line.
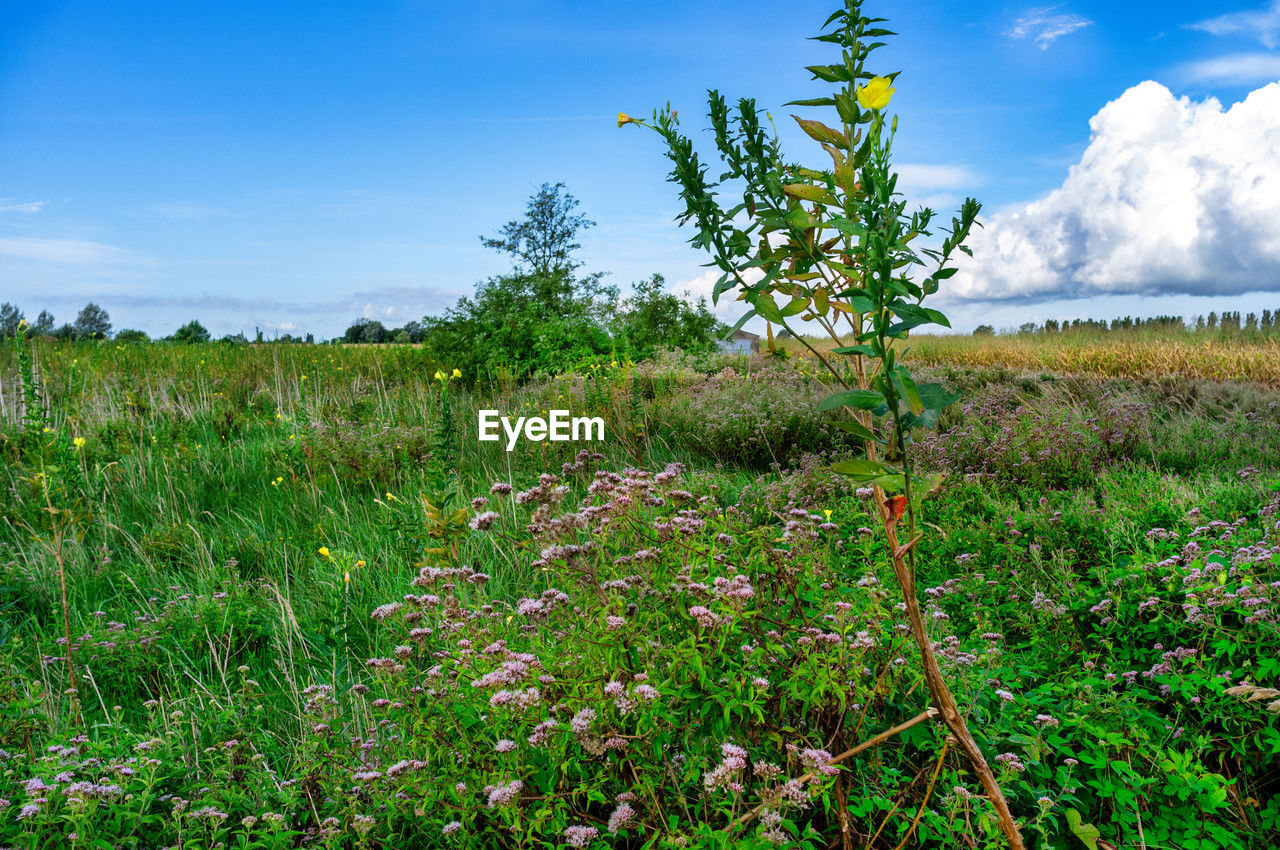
1018,591
1095,603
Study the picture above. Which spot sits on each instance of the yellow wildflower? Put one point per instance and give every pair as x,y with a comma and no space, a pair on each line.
324,551
439,376
876,93
457,374
828,513
624,118
78,442
359,563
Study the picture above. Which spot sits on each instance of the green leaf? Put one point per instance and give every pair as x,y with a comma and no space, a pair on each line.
799,219
765,306
1086,832
855,349
820,132
807,192
860,399
855,428
738,325
935,396
864,470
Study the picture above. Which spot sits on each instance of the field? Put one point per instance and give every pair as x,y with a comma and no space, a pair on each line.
276,596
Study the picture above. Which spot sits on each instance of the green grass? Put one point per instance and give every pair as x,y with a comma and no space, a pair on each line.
212,470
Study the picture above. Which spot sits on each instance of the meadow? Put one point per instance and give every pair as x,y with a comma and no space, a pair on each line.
280,595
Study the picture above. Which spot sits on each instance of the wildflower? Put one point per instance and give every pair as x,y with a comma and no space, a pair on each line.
439,376
78,442
580,836
621,817
876,93
324,551
451,827
22,325
506,745
457,374
624,118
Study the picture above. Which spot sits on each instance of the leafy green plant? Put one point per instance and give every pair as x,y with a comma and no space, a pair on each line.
836,245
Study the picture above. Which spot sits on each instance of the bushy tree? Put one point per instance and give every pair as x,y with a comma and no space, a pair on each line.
44,324
10,316
131,335
92,322
544,240
654,316
541,316
192,331
366,331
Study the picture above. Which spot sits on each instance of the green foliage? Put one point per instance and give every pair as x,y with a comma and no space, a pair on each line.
653,317
192,331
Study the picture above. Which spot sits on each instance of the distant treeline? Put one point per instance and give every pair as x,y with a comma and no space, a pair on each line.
1226,322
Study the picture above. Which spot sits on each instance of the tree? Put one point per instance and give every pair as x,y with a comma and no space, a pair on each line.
655,317
984,330
545,239
10,316
192,331
130,335
539,318
366,330
92,322
44,324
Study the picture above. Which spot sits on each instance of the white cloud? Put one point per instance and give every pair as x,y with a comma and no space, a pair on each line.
924,176
1046,24
12,205
1236,68
74,252
1171,196
1262,24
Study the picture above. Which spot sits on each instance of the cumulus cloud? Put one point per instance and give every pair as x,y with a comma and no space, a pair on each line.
1262,24
1171,196
1046,24
1235,69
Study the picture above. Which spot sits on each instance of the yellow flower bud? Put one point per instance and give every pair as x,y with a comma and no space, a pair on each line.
624,118
346,578
876,93
439,375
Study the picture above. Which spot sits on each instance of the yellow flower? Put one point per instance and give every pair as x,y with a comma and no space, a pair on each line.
359,563
22,324
457,374
324,551
876,93
624,118
828,513
439,375
78,442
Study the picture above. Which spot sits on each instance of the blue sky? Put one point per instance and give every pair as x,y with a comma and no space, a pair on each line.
293,166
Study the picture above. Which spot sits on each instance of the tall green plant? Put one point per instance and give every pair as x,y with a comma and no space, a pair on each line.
836,247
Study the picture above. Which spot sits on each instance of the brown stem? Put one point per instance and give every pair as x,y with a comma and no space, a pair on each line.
927,794
942,698
846,755
938,690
